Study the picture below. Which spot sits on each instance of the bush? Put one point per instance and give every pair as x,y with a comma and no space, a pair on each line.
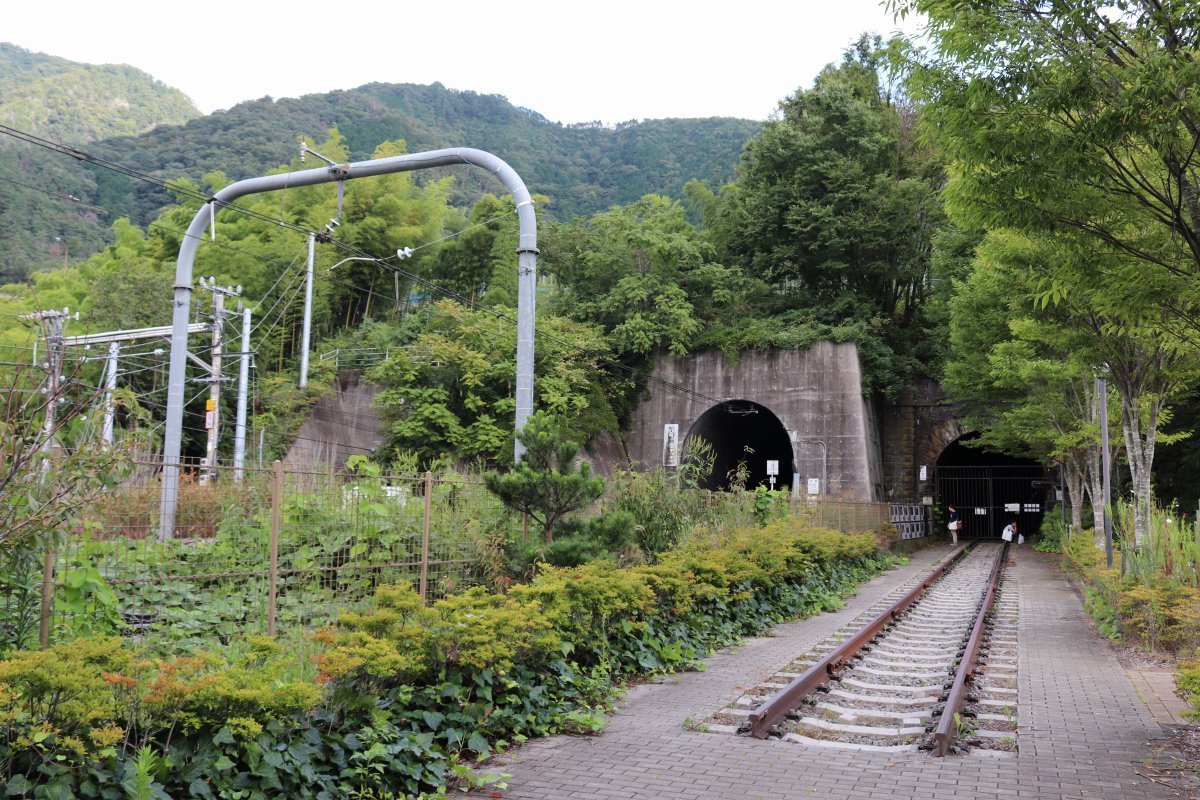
1154,610
403,690
1051,535
1187,681
1160,614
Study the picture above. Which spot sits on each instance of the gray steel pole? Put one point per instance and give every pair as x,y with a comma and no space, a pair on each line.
308,290
526,302
114,349
212,417
527,266
239,431
1106,467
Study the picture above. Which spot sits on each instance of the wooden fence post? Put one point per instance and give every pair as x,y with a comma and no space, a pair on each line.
273,546
425,538
47,597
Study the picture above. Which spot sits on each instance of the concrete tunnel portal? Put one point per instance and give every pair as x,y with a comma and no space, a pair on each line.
741,430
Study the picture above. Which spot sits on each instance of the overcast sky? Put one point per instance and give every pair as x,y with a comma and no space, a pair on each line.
614,61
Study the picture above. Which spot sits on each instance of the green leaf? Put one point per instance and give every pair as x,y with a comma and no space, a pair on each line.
17,785
478,743
200,788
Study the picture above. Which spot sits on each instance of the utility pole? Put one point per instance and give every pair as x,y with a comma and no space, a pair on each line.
212,416
52,323
110,386
239,431
308,291
1106,467
113,340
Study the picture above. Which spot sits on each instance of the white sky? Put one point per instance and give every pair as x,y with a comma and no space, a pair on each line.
611,61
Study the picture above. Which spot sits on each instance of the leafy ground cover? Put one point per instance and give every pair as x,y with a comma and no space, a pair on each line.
396,698
1151,597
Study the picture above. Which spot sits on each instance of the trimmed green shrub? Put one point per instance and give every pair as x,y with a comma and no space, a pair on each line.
403,692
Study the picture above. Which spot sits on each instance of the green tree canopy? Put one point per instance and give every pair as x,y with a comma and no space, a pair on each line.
1079,119
448,389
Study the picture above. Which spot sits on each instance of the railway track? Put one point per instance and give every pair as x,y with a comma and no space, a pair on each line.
934,669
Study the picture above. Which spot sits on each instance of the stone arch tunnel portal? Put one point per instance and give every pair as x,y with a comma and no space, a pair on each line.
991,489
742,430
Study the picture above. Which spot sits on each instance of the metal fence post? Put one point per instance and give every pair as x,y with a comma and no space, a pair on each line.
47,597
273,546
425,538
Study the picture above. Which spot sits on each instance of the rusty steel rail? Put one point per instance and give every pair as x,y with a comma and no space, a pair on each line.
777,706
943,737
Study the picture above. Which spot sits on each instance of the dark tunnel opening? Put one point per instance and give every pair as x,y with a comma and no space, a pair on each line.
992,489
740,430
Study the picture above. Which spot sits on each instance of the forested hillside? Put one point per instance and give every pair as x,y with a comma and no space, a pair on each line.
580,169
75,104
79,103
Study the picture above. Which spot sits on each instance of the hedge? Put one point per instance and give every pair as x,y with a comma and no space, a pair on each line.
402,695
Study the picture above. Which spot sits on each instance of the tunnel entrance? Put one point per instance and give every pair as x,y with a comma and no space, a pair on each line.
740,430
991,489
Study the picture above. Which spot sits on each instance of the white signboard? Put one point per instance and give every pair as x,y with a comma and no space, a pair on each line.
772,467
924,473
814,485
671,444
981,512
1012,506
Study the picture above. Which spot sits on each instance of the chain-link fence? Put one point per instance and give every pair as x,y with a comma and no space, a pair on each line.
274,550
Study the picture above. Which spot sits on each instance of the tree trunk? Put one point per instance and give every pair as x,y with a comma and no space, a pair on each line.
1073,479
1095,485
1139,452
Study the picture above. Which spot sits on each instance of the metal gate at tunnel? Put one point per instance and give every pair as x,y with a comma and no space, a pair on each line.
989,497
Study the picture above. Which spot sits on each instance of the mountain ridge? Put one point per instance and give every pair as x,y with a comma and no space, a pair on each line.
582,168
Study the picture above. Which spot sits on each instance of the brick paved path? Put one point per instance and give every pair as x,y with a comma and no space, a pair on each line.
1081,733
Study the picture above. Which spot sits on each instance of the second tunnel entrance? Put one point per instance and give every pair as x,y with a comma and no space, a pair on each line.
744,431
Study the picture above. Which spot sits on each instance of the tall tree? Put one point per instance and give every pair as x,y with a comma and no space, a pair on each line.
448,392
1028,363
1075,118
836,206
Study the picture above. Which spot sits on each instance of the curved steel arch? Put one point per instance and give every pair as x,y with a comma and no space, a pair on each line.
526,280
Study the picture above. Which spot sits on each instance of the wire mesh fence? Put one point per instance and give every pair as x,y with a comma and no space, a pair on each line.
275,550
884,519
291,550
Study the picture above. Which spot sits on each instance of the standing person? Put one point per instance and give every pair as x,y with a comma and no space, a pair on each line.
1010,532
953,525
